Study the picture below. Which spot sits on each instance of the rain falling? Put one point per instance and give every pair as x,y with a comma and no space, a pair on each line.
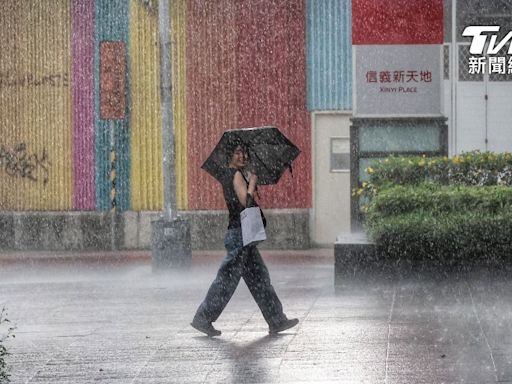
255,191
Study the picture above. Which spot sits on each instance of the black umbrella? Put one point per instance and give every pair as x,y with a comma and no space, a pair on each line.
269,151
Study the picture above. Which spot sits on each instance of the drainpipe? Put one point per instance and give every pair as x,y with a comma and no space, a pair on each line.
167,121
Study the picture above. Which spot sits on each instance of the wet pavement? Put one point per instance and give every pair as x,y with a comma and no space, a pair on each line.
120,323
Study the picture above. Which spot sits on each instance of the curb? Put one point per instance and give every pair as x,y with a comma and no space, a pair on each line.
31,258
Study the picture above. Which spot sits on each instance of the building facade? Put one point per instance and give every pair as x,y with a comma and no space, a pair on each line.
80,115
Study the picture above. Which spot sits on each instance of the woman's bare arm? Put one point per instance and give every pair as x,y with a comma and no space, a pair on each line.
241,188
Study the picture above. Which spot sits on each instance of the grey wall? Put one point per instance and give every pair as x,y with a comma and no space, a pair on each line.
90,231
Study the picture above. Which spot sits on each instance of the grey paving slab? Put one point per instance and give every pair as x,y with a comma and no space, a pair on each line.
122,324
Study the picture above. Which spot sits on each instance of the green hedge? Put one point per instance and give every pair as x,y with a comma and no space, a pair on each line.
471,168
441,209
445,239
439,200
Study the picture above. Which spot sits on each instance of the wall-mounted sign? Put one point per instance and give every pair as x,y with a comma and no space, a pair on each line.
396,80
112,80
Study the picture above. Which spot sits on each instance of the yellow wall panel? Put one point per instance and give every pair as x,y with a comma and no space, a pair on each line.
178,24
146,134
145,118
35,105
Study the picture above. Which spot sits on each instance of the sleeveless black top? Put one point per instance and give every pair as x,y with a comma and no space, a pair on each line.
232,202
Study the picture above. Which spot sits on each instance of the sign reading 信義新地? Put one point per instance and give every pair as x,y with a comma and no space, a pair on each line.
398,79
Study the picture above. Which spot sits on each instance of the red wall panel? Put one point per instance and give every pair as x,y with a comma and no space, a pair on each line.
262,70
397,22
211,92
272,86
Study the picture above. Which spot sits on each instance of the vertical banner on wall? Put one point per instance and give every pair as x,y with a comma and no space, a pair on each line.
112,80
397,57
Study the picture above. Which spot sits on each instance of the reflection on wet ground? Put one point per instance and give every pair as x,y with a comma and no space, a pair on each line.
121,323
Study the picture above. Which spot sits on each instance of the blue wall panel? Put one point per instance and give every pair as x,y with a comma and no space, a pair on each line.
329,55
111,24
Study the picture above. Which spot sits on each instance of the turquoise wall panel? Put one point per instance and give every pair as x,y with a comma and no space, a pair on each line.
112,24
329,55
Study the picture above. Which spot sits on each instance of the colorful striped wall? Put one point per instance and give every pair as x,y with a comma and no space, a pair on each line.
36,159
235,64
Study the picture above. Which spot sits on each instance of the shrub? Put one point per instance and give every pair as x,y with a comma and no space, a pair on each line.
441,209
445,239
471,168
439,199
4,322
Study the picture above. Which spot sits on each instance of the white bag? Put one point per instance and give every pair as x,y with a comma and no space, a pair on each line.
253,231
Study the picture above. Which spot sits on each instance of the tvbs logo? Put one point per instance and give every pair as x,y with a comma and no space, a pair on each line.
480,35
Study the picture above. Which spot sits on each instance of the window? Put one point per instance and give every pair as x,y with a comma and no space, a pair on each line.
340,154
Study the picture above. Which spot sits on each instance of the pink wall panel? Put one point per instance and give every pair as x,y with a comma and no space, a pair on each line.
83,104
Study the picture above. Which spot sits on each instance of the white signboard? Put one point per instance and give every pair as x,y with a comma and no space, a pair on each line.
397,80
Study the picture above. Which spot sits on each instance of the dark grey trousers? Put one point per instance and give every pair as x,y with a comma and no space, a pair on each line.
241,262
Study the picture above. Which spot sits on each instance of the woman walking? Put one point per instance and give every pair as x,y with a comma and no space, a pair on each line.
240,262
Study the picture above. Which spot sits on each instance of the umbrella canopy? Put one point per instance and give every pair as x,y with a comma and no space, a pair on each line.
269,151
